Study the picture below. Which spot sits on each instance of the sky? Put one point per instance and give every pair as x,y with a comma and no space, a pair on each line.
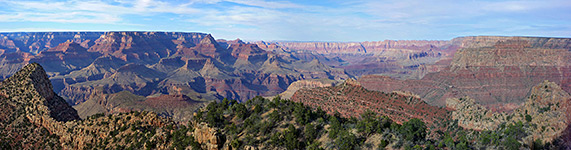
297,20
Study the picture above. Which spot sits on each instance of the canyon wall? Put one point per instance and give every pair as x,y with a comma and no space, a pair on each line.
496,71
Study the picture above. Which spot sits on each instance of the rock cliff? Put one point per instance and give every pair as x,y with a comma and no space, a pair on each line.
394,58
495,71
350,99
34,117
29,106
31,87
149,63
546,109
306,84
177,107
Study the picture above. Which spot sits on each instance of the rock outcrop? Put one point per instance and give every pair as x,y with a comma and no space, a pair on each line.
29,106
306,84
177,107
32,82
495,71
403,59
208,137
34,117
351,99
546,110
36,42
164,63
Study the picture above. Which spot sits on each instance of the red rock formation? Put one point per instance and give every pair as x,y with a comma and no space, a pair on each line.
207,47
356,47
31,84
394,58
65,57
492,70
173,63
306,84
36,42
351,100
170,101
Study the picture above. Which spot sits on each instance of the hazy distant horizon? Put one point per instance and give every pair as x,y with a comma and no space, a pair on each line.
291,40
262,20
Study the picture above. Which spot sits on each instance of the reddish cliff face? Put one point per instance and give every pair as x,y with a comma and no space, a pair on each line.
547,109
357,47
36,42
143,47
350,99
306,84
402,59
178,107
149,63
493,70
30,87
65,57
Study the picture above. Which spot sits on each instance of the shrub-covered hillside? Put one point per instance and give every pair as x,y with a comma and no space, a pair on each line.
282,124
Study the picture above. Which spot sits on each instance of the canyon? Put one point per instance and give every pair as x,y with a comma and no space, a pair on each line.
498,72
153,63
151,85
85,66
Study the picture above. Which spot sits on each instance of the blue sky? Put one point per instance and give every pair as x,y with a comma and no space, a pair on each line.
298,20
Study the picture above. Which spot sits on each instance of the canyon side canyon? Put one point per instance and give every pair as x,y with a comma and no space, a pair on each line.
66,82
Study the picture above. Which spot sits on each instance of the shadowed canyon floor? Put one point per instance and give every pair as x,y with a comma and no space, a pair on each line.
36,118
164,90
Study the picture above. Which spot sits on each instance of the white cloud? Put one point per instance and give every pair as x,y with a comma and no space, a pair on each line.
284,20
267,4
88,11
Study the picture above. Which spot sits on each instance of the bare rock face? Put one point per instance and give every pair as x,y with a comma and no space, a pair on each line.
356,47
306,84
350,99
28,102
177,107
36,42
142,47
33,81
64,58
495,71
10,63
399,59
164,63
516,51
547,110
208,137
34,117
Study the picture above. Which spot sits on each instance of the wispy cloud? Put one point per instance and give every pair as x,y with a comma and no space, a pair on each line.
332,20
267,4
87,11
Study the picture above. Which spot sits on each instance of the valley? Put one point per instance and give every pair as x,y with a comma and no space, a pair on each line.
176,90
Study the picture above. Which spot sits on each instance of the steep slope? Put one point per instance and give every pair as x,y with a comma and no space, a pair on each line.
100,68
65,57
10,63
34,117
141,47
249,56
193,64
208,47
394,58
36,42
496,71
302,84
548,110
350,99
27,101
32,82
177,107
130,77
